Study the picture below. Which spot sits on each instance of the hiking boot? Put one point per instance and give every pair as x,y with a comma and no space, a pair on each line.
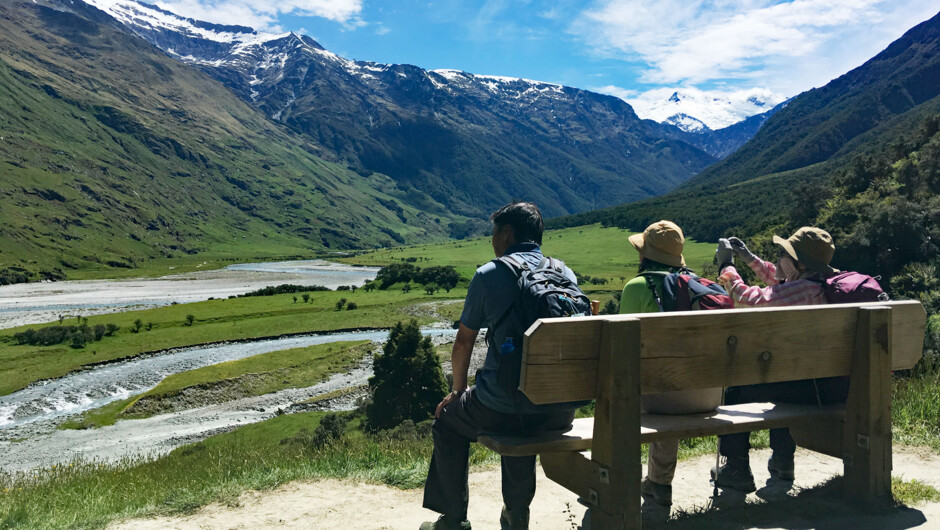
661,494
734,473
445,523
780,467
517,519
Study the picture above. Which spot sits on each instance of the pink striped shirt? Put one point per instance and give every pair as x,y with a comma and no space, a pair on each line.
797,292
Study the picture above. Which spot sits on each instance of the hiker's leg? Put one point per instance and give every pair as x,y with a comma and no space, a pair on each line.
518,481
519,472
782,443
446,490
661,466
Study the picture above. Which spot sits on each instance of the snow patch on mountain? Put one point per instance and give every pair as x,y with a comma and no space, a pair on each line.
687,123
690,108
138,14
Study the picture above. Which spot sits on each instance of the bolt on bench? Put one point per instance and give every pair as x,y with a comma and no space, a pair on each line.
615,359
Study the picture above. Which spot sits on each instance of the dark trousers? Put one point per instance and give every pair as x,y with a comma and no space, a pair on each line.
807,392
446,490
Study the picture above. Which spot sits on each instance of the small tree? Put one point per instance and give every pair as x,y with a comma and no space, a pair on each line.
190,319
406,288
112,329
369,287
351,306
149,325
340,304
431,289
295,299
306,297
408,381
137,325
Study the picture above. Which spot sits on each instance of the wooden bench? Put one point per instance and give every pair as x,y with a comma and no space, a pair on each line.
615,359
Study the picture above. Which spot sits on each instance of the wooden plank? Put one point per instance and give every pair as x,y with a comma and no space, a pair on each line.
867,433
689,349
824,436
654,427
572,380
616,445
577,439
575,471
734,418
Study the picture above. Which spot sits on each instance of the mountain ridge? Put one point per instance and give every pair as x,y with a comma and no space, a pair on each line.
114,154
472,142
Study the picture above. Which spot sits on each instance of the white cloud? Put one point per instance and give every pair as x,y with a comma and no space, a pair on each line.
790,46
263,14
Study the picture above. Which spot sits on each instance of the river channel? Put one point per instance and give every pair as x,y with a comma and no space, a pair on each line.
32,303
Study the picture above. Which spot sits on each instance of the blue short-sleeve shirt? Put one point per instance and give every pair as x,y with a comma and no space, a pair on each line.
492,291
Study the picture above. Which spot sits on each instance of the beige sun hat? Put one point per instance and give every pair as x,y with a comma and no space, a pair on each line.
811,246
661,242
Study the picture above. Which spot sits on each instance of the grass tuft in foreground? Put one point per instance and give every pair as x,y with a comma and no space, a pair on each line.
258,456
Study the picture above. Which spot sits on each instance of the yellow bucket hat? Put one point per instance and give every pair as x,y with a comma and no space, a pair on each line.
661,242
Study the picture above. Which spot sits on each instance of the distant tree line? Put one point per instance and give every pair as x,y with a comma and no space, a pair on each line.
445,277
11,275
76,336
284,288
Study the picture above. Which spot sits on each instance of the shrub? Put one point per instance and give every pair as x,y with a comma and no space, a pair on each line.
112,329
306,297
340,304
284,288
137,325
408,381
190,319
351,306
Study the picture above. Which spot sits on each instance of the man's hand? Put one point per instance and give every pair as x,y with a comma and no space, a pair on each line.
444,402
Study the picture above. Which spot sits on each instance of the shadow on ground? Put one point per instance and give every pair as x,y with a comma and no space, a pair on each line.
781,506
821,507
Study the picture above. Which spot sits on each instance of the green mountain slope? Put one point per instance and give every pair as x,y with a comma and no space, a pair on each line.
818,134
113,154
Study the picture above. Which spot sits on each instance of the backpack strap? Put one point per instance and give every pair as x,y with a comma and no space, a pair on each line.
648,276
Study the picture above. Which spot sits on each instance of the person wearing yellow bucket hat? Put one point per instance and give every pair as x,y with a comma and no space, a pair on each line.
798,278
660,248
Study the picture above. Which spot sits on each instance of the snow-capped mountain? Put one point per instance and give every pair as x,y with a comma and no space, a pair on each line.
472,142
694,110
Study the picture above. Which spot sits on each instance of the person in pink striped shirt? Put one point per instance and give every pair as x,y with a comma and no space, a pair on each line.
798,278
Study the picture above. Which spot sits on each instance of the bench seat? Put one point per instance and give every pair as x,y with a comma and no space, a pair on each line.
727,419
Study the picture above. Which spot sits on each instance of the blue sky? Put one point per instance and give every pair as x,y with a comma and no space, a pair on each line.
630,48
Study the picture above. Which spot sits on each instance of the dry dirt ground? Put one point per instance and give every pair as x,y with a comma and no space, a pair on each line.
340,504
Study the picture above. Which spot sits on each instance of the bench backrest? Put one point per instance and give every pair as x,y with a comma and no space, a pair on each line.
686,350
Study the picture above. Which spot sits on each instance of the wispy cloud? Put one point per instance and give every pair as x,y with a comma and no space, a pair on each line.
755,41
263,14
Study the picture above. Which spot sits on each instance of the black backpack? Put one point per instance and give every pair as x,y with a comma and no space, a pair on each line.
684,291
544,292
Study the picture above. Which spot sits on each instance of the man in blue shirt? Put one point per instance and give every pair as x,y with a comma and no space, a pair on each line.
487,407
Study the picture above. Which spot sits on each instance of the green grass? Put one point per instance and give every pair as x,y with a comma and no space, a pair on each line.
915,409
914,492
258,456
215,321
252,376
589,250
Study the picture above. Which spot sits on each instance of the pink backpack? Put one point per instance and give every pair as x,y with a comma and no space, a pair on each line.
852,288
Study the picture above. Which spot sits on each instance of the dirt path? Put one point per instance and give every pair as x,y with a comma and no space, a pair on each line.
345,504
